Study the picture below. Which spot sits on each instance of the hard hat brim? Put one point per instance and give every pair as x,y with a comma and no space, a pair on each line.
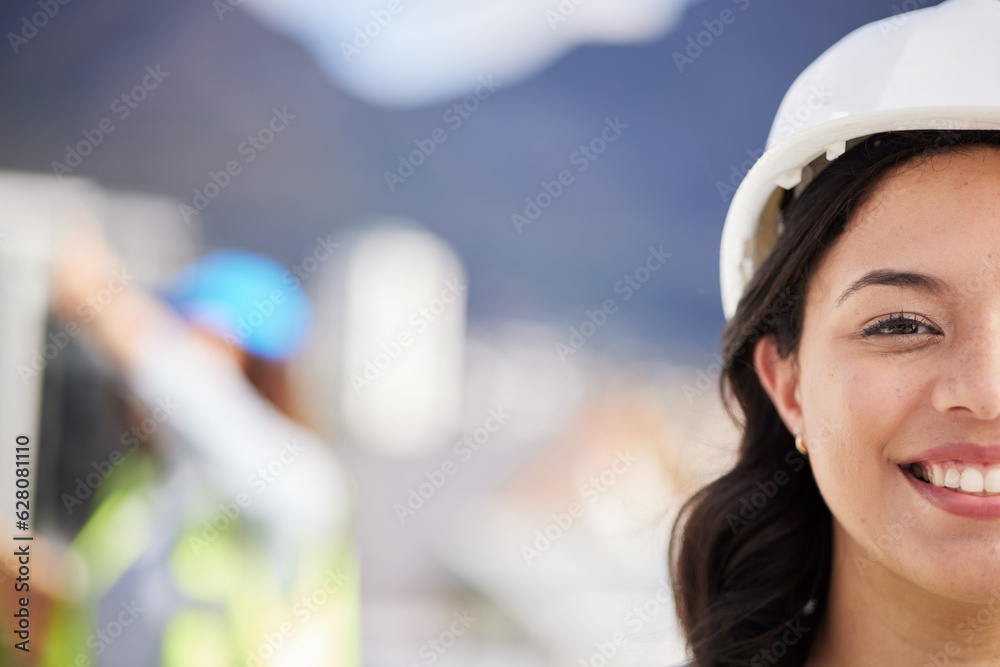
781,168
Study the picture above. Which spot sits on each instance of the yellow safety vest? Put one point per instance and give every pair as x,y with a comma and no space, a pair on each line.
240,613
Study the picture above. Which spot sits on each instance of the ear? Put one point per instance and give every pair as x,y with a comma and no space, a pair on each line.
780,379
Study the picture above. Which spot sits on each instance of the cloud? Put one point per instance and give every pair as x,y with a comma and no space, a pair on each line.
407,53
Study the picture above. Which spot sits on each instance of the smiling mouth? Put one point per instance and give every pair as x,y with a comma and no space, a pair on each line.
959,476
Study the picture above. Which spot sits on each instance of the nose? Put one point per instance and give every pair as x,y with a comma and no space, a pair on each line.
969,381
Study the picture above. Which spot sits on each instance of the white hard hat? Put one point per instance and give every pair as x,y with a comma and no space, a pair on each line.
933,68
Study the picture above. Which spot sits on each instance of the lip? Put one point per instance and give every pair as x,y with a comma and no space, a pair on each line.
958,451
960,504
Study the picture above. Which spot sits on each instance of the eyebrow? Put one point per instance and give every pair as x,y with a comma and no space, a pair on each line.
894,279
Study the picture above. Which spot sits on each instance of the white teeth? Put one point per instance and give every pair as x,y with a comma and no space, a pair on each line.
993,481
972,481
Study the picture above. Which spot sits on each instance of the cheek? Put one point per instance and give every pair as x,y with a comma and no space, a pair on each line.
853,410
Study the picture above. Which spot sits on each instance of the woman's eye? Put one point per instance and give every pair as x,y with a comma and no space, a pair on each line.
899,325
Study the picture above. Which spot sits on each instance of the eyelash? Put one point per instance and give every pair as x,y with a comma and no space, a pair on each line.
897,318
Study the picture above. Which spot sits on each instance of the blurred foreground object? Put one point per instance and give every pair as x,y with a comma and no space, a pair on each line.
379,50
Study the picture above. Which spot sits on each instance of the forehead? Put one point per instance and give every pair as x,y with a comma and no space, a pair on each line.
939,215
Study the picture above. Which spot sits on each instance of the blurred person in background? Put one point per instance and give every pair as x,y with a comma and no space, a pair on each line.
225,537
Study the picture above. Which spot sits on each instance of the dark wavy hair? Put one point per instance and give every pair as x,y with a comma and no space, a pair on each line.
750,553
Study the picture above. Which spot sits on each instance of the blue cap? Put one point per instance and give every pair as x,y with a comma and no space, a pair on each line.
251,301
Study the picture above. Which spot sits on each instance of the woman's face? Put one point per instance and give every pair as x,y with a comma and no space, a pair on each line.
899,362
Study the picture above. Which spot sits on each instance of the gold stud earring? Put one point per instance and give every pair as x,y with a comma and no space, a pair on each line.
799,445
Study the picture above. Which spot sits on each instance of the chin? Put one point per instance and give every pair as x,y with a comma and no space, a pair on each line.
971,578
952,556
946,546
